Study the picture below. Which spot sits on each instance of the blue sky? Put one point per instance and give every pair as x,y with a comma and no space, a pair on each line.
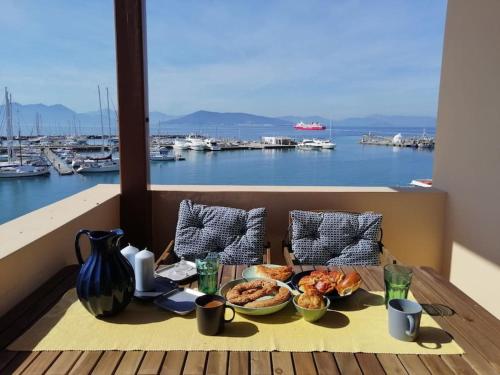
335,58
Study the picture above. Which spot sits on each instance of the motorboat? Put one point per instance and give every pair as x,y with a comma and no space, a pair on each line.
77,162
23,171
196,143
158,156
309,144
180,144
422,182
101,166
212,145
325,143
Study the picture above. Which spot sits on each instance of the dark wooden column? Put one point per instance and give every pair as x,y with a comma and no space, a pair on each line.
133,113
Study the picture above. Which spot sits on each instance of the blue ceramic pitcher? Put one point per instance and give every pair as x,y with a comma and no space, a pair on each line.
105,284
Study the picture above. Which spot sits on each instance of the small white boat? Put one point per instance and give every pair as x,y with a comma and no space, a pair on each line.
91,166
309,145
158,156
325,143
77,162
212,145
23,171
423,182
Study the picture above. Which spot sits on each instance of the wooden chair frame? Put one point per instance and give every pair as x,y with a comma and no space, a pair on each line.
385,256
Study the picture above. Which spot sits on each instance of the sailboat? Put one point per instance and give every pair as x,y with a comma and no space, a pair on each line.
105,163
15,169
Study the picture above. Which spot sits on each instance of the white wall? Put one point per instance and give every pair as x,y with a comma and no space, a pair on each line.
467,158
413,218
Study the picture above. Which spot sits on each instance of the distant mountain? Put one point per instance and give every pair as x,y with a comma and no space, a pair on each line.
155,117
226,118
94,118
60,118
26,113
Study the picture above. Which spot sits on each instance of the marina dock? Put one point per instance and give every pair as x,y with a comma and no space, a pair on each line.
265,146
423,142
59,165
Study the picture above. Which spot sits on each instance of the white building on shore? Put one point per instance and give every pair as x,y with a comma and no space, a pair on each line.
277,141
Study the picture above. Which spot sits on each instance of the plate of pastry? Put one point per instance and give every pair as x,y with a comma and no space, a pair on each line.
254,296
333,284
268,271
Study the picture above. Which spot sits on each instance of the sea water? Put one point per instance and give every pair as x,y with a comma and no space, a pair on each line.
350,164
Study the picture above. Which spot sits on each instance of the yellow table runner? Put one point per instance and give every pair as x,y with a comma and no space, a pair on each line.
358,324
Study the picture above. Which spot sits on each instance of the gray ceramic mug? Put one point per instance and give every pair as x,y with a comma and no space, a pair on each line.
404,319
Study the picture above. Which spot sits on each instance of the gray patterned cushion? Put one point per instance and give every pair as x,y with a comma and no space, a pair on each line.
237,235
336,238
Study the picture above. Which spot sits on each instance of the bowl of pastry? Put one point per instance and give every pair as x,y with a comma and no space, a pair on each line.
268,271
254,296
333,284
311,304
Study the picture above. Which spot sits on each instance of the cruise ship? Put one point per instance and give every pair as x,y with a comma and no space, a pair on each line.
310,126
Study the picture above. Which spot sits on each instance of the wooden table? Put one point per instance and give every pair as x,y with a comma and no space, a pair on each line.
477,331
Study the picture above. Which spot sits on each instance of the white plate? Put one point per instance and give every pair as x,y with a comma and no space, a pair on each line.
169,272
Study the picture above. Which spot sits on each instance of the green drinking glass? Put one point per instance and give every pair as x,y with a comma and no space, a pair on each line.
397,280
208,271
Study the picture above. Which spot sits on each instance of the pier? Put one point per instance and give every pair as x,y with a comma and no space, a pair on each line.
266,146
423,142
60,166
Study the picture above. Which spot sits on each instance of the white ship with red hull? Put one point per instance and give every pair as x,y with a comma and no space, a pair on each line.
310,126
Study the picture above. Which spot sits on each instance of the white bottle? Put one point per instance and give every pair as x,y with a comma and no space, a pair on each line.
129,253
144,271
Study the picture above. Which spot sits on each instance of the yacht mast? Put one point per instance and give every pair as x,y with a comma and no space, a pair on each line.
117,129
20,147
109,116
100,111
10,137
37,124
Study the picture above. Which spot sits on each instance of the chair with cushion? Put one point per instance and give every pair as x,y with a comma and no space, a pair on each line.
334,238
237,235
